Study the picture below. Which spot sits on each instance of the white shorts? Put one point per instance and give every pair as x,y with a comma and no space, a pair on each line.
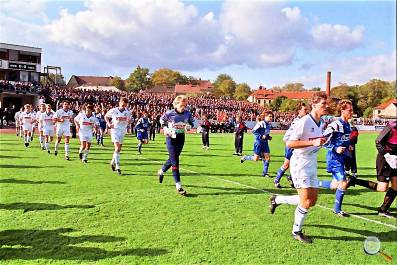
304,172
48,131
117,135
63,131
85,137
40,128
27,127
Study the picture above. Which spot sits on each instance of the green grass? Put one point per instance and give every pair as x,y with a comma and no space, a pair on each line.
63,212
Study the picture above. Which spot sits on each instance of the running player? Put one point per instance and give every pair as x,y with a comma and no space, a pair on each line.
64,117
18,127
174,123
48,121
86,125
27,120
306,139
261,132
386,168
339,150
118,119
302,110
142,127
40,125
100,115
205,132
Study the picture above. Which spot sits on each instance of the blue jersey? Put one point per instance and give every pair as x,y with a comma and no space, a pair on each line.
338,133
261,129
101,119
177,120
143,124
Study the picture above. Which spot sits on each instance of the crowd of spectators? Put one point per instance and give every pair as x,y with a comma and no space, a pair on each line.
20,87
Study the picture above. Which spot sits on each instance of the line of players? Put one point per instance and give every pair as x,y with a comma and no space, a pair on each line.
305,137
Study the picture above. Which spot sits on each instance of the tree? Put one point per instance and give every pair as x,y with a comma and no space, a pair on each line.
275,105
242,91
58,79
227,87
373,93
117,82
368,112
293,87
315,89
138,80
168,77
289,105
220,78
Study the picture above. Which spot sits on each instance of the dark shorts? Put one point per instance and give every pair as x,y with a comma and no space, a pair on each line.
261,148
383,171
142,135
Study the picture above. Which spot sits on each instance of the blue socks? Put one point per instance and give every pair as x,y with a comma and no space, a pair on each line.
280,173
339,199
139,147
265,166
325,184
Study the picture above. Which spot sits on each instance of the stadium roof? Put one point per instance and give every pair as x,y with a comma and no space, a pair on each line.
79,80
386,104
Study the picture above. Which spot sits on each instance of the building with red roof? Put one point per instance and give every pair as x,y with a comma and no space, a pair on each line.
386,110
263,96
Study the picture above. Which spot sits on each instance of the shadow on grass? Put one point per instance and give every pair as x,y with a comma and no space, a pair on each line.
389,236
54,244
27,166
222,191
7,156
28,206
24,181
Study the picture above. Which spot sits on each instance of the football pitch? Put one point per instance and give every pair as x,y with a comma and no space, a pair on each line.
65,212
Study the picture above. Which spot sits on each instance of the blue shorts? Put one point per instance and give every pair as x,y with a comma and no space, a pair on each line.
337,170
102,125
261,148
142,135
288,153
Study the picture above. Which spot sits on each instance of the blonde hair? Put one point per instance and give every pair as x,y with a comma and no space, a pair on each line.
178,99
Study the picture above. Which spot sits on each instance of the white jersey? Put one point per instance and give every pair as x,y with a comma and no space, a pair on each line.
17,117
27,118
38,115
120,119
86,123
67,117
47,120
306,129
290,129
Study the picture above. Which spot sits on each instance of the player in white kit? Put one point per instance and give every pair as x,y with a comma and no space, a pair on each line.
27,120
48,121
64,117
18,127
86,124
118,119
40,125
306,139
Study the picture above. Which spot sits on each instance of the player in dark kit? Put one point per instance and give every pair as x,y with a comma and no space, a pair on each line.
100,115
205,132
386,168
175,122
142,127
239,131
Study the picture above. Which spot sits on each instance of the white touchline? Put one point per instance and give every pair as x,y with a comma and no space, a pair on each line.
265,191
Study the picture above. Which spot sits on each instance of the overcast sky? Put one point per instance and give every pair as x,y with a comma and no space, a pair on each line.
265,43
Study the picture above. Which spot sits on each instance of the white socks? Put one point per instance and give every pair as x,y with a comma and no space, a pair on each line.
178,185
56,145
282,199
67,149
116,159
300,215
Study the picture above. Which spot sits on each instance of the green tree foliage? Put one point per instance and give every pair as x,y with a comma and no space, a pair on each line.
289,105
118,83
293,87
368,112
275,105
373,93
242,92
168,77
138,80
58,79
227,88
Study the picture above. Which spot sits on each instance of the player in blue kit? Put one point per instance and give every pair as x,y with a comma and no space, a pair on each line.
261,132
142,130
100,115
339,151
175,122
301,110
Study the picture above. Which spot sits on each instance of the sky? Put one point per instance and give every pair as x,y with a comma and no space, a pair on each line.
268,43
